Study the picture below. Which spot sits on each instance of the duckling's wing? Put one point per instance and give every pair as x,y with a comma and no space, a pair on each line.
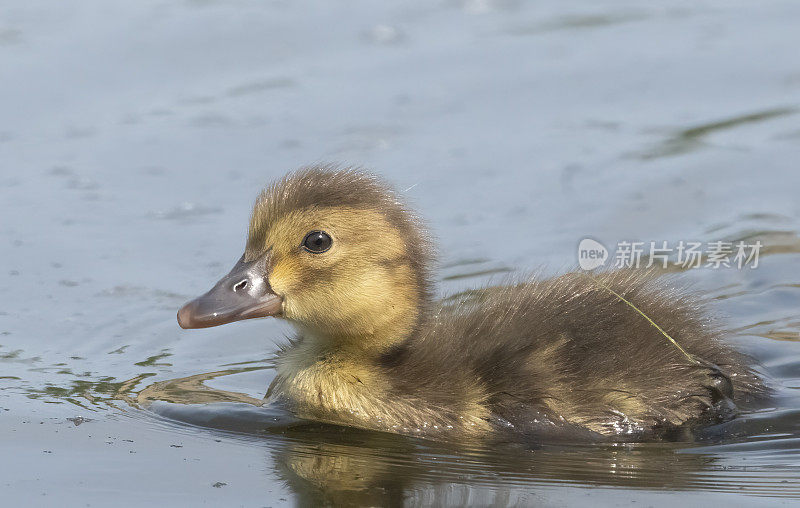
585,351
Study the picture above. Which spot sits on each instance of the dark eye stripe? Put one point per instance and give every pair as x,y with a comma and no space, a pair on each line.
317,242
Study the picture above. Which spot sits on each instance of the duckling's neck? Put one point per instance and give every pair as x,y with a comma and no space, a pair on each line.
364,344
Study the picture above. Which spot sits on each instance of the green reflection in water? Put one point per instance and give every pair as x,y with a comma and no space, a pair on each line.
154,360
693,138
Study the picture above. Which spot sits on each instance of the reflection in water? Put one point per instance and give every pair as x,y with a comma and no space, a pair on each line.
333,467
327,464
191,390
693,138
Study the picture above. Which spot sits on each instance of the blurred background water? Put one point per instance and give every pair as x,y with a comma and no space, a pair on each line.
134,137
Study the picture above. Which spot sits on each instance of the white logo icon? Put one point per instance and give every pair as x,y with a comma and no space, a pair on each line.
591,254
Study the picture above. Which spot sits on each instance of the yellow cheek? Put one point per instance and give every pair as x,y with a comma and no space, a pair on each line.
291,279
285,275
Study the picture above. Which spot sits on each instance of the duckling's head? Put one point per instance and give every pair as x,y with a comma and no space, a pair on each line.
333,251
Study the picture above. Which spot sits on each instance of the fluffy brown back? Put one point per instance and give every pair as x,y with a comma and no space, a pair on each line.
567,351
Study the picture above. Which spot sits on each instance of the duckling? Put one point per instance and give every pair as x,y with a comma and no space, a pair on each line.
337,253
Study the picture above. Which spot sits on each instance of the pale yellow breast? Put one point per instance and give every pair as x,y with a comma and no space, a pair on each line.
340,391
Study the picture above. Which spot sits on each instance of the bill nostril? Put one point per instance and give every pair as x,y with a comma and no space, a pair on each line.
240,285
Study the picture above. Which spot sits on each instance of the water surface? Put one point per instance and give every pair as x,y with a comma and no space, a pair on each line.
135,136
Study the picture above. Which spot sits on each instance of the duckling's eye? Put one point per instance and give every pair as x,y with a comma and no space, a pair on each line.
317,242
